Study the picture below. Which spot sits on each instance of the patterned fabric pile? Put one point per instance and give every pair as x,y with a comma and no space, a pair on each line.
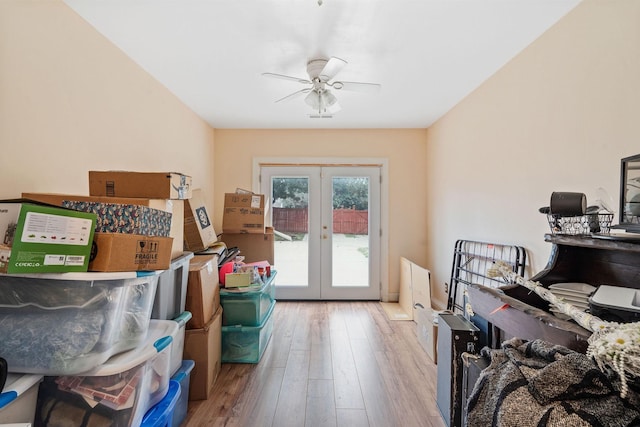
539,384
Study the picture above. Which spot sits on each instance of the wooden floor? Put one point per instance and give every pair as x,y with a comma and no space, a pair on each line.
328,364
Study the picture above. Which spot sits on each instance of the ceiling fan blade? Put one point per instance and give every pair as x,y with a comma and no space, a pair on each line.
357,86
283,77
333,67
294,94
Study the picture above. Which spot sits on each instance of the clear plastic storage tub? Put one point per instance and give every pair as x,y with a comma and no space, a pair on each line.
246,344
171,293
18,398
177,346
69,323
118,392
247,306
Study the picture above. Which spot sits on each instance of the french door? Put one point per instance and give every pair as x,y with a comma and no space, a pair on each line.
327,225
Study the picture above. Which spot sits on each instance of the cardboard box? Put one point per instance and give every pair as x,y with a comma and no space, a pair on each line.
243,213
254,247
204,346
44,239
203,290
125,218
415,288
421,286
199,233
152,185
130,252
174,207
427,332
237,280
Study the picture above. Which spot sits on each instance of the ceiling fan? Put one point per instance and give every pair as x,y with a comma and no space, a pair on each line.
319,97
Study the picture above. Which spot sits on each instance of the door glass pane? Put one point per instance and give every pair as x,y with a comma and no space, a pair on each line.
350,240
290,219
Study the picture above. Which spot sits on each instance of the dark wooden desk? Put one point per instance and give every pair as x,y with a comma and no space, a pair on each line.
514,311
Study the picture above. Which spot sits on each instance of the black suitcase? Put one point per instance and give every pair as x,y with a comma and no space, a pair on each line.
456,335
473,365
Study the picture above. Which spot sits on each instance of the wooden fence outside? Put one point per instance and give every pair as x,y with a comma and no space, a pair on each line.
345,221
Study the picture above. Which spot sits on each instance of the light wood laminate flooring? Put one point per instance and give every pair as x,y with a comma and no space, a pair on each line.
328,364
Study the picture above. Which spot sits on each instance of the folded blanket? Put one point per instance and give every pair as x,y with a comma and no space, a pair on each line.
539,384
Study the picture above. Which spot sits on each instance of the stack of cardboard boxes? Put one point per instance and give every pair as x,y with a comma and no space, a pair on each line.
140,218
243,226
203,334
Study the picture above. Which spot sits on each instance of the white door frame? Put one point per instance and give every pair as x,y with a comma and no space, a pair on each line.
258,162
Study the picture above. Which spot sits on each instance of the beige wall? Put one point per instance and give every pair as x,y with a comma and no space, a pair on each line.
405,151
559,117
70,102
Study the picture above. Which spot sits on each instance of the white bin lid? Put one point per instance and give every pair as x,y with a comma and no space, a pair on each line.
16,385
160,336
617,297
89,275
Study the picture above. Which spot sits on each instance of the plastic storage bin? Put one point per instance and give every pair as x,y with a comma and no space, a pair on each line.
615,304
121,390
72,322
247,306
18,398
183,376
246,344
171,292
161,414
177,346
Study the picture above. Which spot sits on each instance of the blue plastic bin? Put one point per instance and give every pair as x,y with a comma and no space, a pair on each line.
247,306
183,376
161,414
246,344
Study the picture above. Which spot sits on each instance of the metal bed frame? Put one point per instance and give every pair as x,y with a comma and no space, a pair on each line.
471,260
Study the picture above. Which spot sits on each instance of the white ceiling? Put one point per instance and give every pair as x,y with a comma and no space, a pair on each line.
426,54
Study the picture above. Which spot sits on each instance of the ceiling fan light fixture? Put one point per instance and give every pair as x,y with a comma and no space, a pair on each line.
313,100
320,100
329,98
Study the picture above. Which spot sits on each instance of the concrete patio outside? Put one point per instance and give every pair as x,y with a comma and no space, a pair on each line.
350,261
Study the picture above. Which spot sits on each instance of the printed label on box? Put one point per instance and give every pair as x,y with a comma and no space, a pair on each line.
203,218
56,229
183,188
255,201
54,260
147,251
74,260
